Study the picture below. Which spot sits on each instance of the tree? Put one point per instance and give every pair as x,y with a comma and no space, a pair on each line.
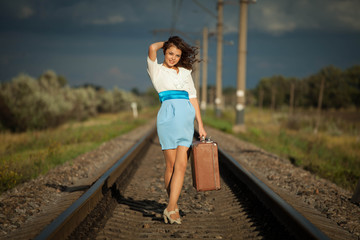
352,78
341,89
336,92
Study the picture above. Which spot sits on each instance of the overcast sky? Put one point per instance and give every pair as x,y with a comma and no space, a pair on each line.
105,42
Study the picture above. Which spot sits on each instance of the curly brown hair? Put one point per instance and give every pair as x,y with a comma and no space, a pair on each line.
188,53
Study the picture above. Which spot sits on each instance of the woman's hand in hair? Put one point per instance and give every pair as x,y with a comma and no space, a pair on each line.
153,48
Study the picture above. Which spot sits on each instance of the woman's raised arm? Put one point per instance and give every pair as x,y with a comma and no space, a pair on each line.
153,48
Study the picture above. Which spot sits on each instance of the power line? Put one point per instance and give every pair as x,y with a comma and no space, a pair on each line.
175,15
205,8
172,31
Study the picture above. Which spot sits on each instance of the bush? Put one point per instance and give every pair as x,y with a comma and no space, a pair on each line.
27,103
85,103
105,102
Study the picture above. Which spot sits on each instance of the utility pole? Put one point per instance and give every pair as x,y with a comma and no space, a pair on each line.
261,98
273,98
241,73
219,32
197,67
204,70
320,99
292,93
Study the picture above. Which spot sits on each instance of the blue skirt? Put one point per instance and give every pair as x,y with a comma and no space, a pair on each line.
175,123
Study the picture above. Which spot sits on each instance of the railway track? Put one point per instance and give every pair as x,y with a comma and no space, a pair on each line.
127,203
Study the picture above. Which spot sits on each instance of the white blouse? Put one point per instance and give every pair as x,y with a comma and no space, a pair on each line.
164,78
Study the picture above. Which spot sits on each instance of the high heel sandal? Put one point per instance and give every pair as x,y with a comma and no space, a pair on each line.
167,217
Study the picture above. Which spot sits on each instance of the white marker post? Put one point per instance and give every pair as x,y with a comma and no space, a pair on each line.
134,109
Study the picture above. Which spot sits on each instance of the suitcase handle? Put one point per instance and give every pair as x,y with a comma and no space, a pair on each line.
208,140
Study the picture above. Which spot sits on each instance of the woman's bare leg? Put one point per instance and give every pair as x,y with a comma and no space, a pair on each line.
169,156
177,179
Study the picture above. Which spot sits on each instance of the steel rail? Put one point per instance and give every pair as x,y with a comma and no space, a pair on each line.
65,223
285,213
62,226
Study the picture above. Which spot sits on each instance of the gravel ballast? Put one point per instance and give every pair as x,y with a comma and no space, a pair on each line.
27,201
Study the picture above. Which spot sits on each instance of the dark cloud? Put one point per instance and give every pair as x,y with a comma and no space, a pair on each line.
106,41
283,16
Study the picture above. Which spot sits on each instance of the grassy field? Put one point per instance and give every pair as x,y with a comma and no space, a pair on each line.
332,153
25,156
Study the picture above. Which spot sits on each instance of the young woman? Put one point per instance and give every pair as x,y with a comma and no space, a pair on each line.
175,121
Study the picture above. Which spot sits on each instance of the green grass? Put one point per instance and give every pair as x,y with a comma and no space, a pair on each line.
223,123
334,155
24,156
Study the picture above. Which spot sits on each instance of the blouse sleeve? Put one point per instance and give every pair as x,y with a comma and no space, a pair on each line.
191,86
152,69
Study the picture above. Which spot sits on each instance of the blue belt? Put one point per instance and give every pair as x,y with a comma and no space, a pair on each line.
173,94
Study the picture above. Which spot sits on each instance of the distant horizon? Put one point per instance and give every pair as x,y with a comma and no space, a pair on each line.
144,90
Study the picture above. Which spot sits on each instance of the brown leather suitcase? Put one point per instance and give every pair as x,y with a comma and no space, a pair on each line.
205,165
